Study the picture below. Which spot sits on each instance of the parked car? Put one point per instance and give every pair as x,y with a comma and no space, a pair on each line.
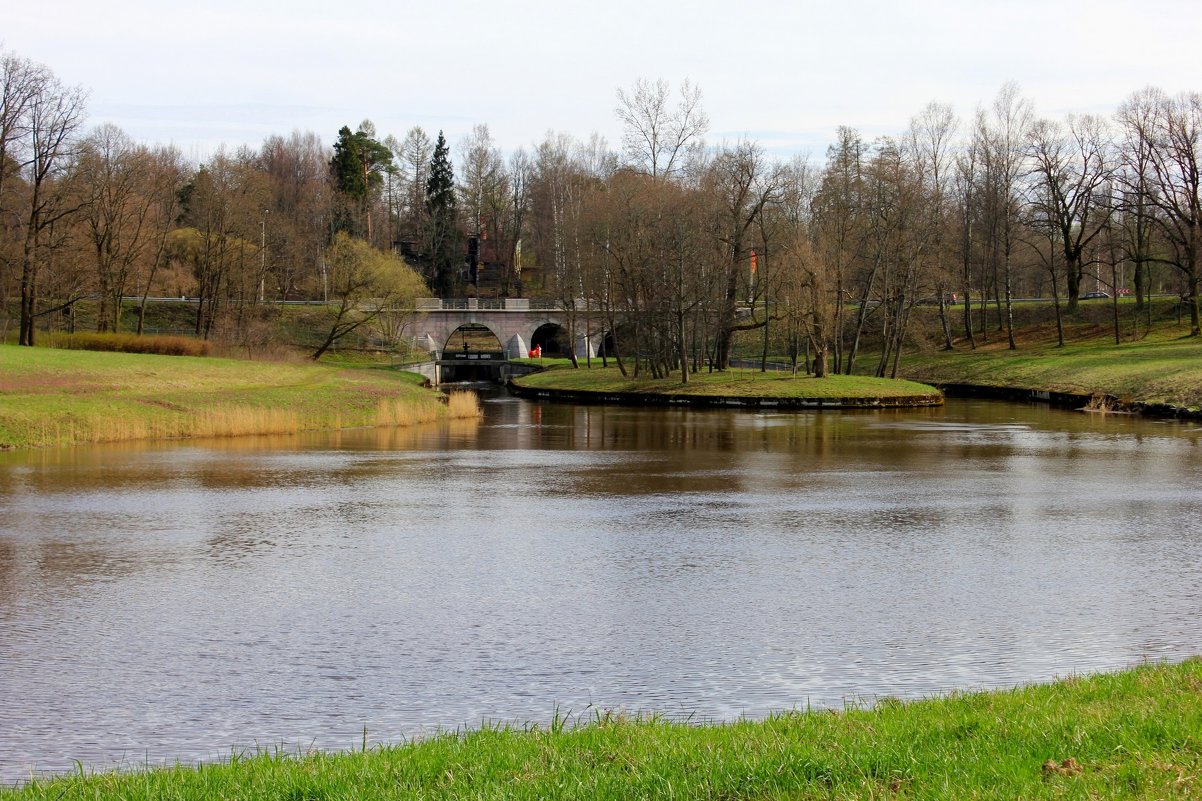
1094,295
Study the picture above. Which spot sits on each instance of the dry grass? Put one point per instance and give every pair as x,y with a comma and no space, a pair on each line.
394,412
132,343
217,421
226,421
463,405
460,405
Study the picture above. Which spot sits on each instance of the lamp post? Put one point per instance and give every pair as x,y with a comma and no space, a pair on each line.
263,255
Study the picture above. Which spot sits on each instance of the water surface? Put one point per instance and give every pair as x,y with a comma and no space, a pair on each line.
174,601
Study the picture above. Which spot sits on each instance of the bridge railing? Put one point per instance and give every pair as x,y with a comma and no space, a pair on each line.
488,304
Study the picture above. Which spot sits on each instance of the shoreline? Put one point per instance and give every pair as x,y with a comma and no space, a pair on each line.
621,398
1157,376
1077,401
732,388
1128,733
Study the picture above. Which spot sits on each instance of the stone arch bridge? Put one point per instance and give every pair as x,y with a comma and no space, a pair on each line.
513,321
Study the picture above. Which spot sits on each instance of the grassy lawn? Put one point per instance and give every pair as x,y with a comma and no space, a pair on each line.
1164,367
1136,734
742,383
61,397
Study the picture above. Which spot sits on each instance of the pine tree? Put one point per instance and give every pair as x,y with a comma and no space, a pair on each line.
358,168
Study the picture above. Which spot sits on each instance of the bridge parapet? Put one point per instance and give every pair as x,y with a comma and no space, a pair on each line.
488,304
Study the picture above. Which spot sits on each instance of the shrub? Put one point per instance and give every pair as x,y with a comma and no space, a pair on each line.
132,343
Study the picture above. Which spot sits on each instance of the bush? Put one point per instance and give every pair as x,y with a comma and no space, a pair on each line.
131,343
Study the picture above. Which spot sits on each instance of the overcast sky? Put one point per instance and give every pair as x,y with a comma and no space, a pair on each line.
783,73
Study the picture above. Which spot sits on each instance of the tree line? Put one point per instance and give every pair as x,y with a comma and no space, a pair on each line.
663,251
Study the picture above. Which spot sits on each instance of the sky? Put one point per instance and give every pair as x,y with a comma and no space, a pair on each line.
786,74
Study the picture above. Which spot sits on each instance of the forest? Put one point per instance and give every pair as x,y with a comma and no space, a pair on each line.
670,244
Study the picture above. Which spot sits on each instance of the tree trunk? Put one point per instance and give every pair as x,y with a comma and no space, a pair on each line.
820,360
1009,300
1073,282
29,274
684,349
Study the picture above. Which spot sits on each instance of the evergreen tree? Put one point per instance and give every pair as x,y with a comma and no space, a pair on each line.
358,168
444,241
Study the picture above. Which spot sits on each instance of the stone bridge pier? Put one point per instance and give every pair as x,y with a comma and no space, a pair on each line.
513,321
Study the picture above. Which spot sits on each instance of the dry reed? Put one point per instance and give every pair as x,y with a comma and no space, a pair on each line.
404,412
237,421
462,405
221,421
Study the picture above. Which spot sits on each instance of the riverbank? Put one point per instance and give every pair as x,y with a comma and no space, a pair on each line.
1127,735
1159,375
51,397
733,387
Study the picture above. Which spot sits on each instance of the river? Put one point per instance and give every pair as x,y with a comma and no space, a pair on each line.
177,601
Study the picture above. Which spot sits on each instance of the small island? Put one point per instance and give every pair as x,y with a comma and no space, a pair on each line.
731,387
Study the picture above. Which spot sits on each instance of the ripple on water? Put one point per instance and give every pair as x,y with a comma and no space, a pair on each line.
177,602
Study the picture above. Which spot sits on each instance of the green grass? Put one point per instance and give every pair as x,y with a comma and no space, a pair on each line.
62,397
737,383
1136,734
1165,367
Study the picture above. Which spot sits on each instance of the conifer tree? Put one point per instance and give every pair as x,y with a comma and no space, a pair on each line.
444,241
358,168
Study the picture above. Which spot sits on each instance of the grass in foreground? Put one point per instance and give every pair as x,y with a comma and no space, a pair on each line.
1131,735
1165,367
61,397
735,382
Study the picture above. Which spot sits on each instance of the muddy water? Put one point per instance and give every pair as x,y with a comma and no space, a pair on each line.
174,601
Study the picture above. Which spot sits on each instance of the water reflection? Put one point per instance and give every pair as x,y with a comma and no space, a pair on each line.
176,600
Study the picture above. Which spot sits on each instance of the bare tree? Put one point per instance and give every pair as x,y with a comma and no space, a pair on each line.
223,208
656,134
930,140
967,163
486,200
52,117
481,175
413,158
1003,135
1072,171
21,81
521,172
840,234
1136,183
794,265
166,178
1172,131
114,175
300,197
740,182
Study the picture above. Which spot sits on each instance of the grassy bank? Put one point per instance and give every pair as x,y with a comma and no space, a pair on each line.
734,383
1130,735
61,397
1165,367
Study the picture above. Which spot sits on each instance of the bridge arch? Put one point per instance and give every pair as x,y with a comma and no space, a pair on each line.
473,336
551,339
